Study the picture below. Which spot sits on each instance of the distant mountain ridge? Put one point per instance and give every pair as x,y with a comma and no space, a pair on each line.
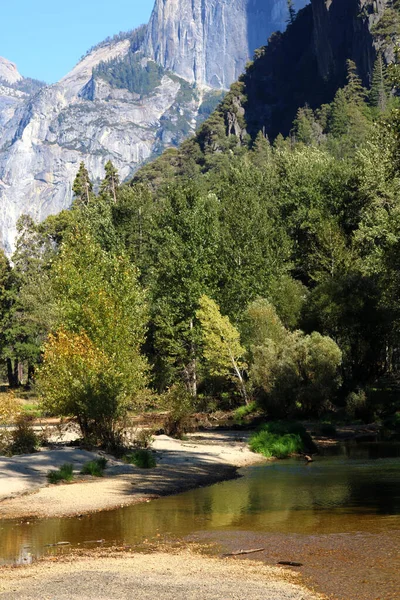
125,101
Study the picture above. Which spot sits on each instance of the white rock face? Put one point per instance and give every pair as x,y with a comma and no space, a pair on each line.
44,138
45,134
9,71
210,41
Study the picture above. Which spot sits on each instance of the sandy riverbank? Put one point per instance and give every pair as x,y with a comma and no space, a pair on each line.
181,576
201,460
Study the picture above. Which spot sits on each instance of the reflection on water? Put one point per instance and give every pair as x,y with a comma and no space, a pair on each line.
331,495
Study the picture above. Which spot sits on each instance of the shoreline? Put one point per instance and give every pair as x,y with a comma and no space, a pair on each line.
172,575
204,459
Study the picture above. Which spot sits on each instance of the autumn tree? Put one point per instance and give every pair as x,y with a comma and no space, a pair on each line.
101,313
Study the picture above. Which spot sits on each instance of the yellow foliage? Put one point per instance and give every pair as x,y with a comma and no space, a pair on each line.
9,408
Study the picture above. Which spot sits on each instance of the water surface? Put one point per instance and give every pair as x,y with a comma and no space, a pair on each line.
333,495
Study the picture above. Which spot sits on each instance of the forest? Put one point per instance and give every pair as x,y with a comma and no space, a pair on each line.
235,271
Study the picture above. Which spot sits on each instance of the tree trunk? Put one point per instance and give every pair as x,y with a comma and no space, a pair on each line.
12,373
31,374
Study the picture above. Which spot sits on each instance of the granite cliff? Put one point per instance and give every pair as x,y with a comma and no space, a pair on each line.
210,41
308,63
127,100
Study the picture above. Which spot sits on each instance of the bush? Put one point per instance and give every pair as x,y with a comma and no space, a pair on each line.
279,439
95,467
327,429
8,411
64,473
356,404
180,404
245,411
23,438
144,438
279,446
141,458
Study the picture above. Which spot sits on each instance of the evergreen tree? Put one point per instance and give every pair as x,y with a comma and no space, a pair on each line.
82,186
110,183
292,11
379,92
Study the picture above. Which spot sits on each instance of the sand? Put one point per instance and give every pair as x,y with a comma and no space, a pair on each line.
182,576
201,460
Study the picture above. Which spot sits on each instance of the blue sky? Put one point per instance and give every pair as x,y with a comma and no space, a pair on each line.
45,38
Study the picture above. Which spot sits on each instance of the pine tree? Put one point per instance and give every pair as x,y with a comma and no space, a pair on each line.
378,95
110,183
292,11
82,186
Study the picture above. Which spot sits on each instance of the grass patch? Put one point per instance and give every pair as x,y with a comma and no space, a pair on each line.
64,473
280,439
244,411
95,467
141,458
32,409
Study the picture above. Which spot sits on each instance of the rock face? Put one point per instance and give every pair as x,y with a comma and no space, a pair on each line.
85,118
93,115
8,71
308,63
210,41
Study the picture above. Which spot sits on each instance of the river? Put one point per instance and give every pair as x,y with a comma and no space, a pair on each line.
339,516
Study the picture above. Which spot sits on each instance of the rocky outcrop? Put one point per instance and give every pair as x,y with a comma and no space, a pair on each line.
210,41
308,63
8,71
44,137
93,115
342,30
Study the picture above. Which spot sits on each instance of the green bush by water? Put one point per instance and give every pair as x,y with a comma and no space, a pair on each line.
95,467
64,473
244,411
280,439
141,458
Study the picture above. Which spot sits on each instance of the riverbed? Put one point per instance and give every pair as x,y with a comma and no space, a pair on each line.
339,516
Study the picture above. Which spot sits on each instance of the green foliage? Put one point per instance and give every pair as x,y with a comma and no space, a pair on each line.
296,372
356,404
180,404
296,241
280,439
134,72
142,458
82,186
247,410
95,467
93,368
23,437
222,349
64,473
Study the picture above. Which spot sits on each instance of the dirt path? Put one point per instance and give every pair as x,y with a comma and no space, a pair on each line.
201,460
184,576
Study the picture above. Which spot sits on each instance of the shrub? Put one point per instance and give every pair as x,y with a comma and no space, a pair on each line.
356,404
8,412
280,439
144,438
64,473
23,438
141,458
95,467
180,404
327,429
245,411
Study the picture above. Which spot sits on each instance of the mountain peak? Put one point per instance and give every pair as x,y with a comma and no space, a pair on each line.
9,71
